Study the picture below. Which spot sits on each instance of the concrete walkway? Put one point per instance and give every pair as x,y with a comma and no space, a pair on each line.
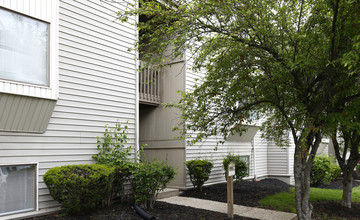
244,211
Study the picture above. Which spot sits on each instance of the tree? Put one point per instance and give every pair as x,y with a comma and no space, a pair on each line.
345,135
351,143
344,112
284,60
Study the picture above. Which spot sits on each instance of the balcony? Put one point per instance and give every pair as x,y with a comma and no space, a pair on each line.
149,86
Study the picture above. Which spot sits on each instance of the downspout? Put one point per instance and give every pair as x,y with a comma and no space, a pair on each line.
288,160
137,118
253,149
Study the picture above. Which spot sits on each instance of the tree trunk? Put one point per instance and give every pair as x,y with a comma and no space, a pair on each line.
347,166
347,189
302,190
303,160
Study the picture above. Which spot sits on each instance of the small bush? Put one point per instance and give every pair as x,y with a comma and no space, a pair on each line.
112,151
112,147
323,171
199,171
241,168
335,172
80,188
149,178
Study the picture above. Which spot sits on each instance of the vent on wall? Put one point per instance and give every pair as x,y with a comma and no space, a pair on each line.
25,114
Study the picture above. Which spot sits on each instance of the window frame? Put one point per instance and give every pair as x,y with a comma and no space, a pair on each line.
48,66
48,12
36,164
247,161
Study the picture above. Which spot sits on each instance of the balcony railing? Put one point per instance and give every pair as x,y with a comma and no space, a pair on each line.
149,86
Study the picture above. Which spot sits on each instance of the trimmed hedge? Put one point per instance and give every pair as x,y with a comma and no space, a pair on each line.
80,188
199,171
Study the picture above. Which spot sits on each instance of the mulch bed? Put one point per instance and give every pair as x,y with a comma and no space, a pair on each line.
337,185
124,211
246,193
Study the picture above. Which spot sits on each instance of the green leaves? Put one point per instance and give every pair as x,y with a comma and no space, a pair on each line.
323,171
113,148
149,178
80,189
199,171
241,167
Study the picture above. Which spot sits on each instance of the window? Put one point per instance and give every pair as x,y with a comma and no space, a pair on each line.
246,159
24,48
17,189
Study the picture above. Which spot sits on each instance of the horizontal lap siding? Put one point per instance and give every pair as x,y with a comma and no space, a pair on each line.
97,86
261,148
278,161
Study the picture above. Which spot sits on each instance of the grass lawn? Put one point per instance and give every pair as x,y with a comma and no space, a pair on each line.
285,201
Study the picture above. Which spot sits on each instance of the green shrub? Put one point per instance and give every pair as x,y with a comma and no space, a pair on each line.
241,168
149,178
80,188
112,147
199,171
323,171
114,152
335,172
121,175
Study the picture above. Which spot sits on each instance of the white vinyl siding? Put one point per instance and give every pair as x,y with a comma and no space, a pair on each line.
281,161
97,86
277,160
261,148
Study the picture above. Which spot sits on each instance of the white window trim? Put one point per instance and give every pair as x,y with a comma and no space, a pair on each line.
50,14
36,164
